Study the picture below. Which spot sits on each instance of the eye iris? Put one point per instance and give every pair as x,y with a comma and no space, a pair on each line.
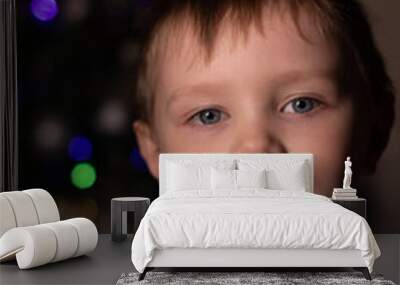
302,105
210,117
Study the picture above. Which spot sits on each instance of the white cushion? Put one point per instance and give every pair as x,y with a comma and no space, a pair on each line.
7,218
40,244
32,246
189,175
182,178
67,238
204,162
251,178
23,208
87,234
230,180
223,179
45,205
290,179
281,175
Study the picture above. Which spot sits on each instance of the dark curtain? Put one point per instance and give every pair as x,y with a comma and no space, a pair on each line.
8,98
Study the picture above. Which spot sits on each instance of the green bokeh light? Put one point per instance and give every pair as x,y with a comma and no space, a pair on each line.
83,175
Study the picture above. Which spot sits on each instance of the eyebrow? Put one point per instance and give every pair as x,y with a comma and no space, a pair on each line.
300,75
292,76
195,89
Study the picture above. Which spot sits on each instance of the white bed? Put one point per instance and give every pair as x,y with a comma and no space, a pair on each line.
199,226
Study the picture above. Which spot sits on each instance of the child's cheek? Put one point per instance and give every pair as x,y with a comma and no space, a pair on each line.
329,155
329,140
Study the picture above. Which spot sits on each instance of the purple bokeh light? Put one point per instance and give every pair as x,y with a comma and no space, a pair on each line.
80,148
44,10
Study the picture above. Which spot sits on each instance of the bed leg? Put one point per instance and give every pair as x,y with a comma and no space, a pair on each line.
143,274
365,272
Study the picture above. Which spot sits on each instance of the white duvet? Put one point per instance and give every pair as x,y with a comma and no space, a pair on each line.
250,219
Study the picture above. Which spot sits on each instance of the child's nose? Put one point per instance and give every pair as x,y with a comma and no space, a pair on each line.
258,140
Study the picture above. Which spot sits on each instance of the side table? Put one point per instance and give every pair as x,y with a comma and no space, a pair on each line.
119,208
358,205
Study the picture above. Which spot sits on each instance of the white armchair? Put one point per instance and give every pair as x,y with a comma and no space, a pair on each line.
31,230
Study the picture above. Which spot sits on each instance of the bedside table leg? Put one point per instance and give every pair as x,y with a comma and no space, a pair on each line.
116,222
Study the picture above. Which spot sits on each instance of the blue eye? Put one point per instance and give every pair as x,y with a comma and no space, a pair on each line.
301,105
208,116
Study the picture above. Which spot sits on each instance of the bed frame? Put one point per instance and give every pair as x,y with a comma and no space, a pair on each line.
250,258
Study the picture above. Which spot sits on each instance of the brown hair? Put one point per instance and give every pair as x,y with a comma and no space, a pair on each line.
361,73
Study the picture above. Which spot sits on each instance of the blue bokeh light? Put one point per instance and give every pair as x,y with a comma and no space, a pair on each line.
137,161
80,148
44,10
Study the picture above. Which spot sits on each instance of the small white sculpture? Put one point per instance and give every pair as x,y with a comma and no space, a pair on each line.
347,174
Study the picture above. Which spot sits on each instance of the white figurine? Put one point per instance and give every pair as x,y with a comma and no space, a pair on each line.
347,174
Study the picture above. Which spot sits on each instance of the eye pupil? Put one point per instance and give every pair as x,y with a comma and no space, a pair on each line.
210,116
302,105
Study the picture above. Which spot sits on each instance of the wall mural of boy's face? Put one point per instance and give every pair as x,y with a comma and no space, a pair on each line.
269,93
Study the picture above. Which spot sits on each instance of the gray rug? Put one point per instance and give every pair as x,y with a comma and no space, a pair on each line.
225,278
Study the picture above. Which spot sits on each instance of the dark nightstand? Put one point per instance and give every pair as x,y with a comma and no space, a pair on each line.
358,205
119,208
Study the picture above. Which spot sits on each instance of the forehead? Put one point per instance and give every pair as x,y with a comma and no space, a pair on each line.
276,46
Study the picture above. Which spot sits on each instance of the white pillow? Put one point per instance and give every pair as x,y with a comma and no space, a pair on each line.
223,179
181,178
281,174
226,179
204,162
251,178
290,179
193,174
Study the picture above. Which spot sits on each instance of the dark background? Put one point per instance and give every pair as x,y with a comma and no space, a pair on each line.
76,74
75,83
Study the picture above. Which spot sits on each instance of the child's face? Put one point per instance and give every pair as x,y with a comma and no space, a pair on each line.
271,93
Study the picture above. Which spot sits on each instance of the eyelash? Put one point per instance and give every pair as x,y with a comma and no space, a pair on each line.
196,118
